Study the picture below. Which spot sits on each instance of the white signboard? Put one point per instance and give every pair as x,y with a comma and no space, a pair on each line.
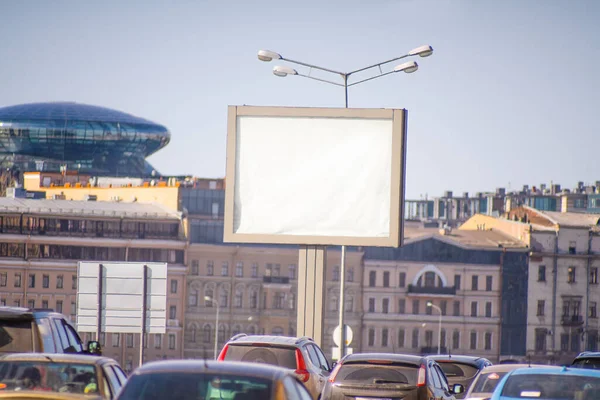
120,306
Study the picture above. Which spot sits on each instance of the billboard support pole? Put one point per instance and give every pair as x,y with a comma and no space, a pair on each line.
144,313
311,292
100,303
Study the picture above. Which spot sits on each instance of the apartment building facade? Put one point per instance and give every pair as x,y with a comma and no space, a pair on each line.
42,241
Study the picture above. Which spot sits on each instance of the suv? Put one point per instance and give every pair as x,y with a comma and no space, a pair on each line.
587,360
25,330
301,355
461,369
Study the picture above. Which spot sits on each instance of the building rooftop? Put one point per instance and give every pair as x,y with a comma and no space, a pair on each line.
88,209
572,219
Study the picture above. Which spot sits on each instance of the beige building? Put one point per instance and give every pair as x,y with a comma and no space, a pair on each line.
255,287
563,295
41,242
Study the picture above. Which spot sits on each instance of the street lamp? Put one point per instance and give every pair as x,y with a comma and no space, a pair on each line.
208,298
282,71
430,304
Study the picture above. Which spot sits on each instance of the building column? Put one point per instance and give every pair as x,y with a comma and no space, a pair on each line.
311,292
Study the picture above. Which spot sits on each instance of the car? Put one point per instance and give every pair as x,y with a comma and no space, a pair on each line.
484,385
202,379
549,384
25,330
587,360
388,376
300,355
60,374
461,369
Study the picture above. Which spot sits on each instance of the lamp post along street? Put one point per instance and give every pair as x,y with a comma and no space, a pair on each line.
207,298
439,310
407,67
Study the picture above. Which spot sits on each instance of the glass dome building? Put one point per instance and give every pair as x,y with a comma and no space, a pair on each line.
84,138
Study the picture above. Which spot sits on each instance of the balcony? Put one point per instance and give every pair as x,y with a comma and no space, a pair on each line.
571,320
281,280
173,323
431,290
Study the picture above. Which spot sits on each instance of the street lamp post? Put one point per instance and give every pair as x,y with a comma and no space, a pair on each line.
282,71
208,298
439,310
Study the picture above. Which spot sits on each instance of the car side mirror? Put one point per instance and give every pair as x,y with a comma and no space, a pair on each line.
93,347
458,388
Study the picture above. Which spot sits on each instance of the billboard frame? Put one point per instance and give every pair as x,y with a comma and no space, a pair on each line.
399,118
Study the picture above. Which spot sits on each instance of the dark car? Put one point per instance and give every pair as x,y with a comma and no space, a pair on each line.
461,369
300,355
25,330
61,373
388,376
587,360
201,379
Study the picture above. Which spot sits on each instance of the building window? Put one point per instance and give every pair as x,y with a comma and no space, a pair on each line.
443,338
372,278
173,286
473,341
129,340
225,269
488,283
443,306
157,341
473,309
542,273
224,299
401,338
415,338
239,269
31,304
17,280
206,334
571,275
415,306
349,304
74,282
372,305
430,279
59,306
116,339
45,281
254,270
401,306
31,281
457,282
456,308
276,270
474,282
386,279
193,334
384,337
350,275
593,309
402,279
455,340
385,306
59,281
3,279
173,312
488,309
44,304
237,302
336,273
594,275
575,342
193,298
371,337
540,339
541,307
210,268
333,304
292,271
208,293
572,247
488,341
428,338
195,267
279,300
254,299
428,310
171,341
564,342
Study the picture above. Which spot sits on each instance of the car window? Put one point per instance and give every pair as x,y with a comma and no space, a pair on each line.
291,392
73,337
458,370
46,334
112,379
280,356
322,360
486,383
366,372
62,335
551,386
15,336
587,363
312,354
120,374
442,377
433,375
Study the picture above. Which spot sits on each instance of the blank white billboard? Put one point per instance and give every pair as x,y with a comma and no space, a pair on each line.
315,176
122,297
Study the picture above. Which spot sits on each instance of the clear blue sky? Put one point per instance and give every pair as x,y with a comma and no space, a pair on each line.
510,94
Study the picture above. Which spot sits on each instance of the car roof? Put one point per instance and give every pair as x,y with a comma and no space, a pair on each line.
57,357
459,359
227,367
557,371
406,358
588,354
510,367
279,340
26,313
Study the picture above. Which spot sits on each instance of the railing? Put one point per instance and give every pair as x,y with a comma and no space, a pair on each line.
282,280
571,320
447,291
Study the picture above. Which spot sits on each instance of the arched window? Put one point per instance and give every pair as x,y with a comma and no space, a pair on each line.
193,334
430,279
193,297
207,333
208,293
222,333
238,298
336,273
292,300
277,331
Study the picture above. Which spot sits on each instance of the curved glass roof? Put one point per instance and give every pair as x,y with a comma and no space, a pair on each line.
69,111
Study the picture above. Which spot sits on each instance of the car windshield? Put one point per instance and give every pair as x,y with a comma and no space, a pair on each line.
587,363
15,336
280,356
486,383
365,372
458,370
551,387
194,386
49,376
